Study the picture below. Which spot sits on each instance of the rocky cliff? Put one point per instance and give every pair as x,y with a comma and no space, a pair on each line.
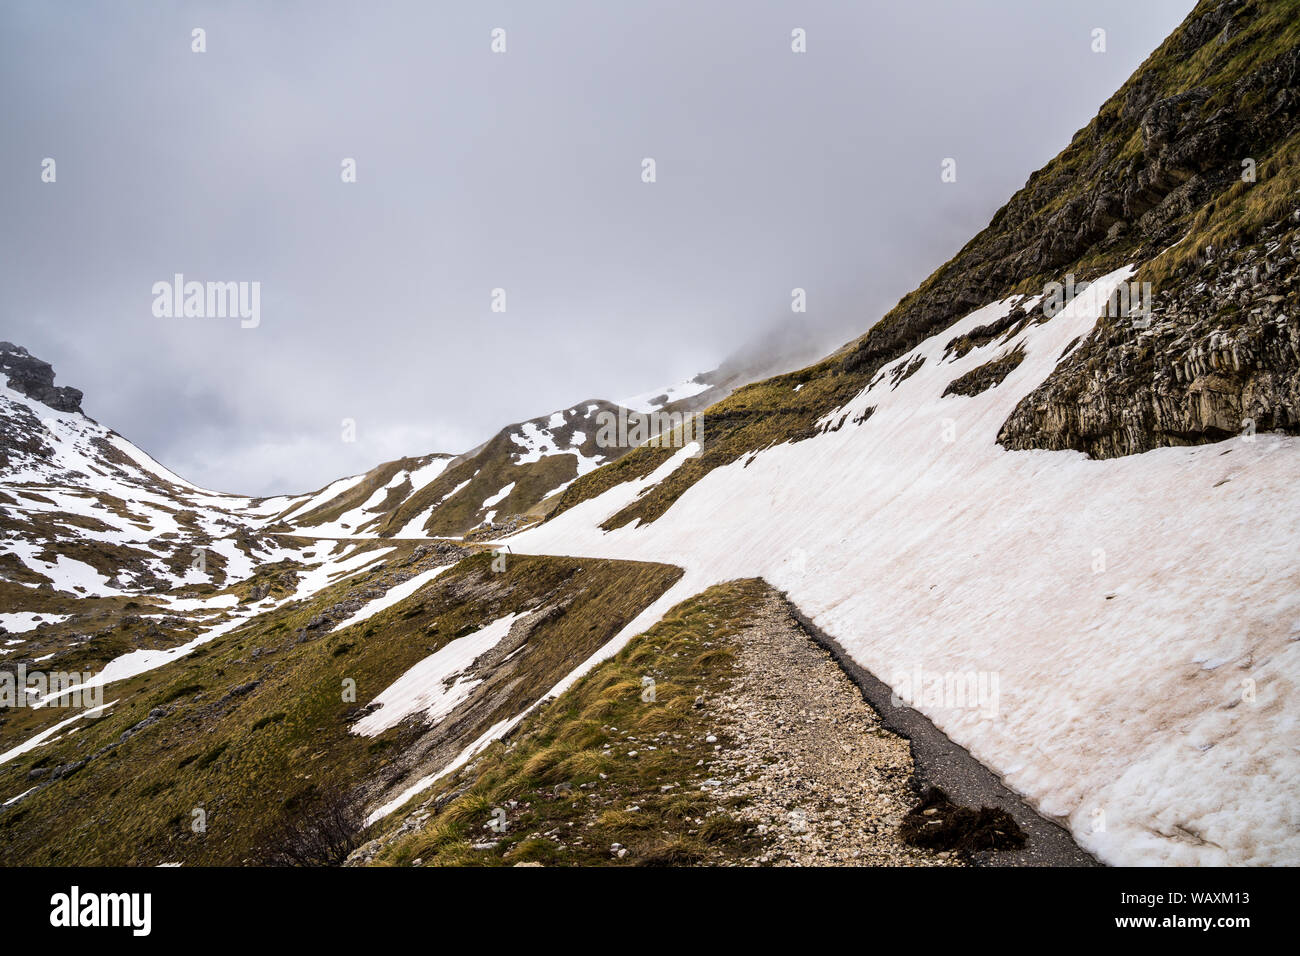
1220,356
1189,167
35,379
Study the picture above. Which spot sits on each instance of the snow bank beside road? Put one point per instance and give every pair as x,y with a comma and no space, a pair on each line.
1141,614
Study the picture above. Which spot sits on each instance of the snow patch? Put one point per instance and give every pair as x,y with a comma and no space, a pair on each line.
437,684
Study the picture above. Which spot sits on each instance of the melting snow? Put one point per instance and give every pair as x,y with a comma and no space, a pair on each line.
1097,591
393,596
19,622
499,496
647,401
437,684
47,733
415,527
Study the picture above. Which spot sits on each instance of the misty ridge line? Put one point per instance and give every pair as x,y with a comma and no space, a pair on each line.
266,451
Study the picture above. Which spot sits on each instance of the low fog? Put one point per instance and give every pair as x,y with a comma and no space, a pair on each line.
477,171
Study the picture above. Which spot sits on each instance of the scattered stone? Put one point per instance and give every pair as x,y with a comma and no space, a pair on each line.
807,760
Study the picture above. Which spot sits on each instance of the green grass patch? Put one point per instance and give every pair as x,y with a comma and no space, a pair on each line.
614,763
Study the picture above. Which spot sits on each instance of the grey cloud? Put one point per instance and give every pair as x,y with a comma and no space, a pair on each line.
479,171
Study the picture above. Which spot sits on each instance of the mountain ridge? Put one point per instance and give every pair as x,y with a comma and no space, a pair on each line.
1057,508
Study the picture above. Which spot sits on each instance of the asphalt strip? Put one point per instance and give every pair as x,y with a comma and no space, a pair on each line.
942,763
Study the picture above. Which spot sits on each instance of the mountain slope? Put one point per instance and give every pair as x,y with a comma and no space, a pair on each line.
1155,178
1138,608
257,729
685,775
83,509
1068,536
512,474
1143,658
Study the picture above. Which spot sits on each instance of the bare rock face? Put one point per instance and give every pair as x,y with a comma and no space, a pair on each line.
35,379
989,375
1103,202
1221,357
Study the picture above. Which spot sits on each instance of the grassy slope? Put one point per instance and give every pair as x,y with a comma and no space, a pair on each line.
1235,217
256,759
100,629
556,776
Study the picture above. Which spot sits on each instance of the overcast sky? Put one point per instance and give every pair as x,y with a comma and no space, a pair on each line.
478,170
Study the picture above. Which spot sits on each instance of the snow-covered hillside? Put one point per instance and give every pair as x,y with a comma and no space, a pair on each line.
515,476
1139,618
322,517
87,511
